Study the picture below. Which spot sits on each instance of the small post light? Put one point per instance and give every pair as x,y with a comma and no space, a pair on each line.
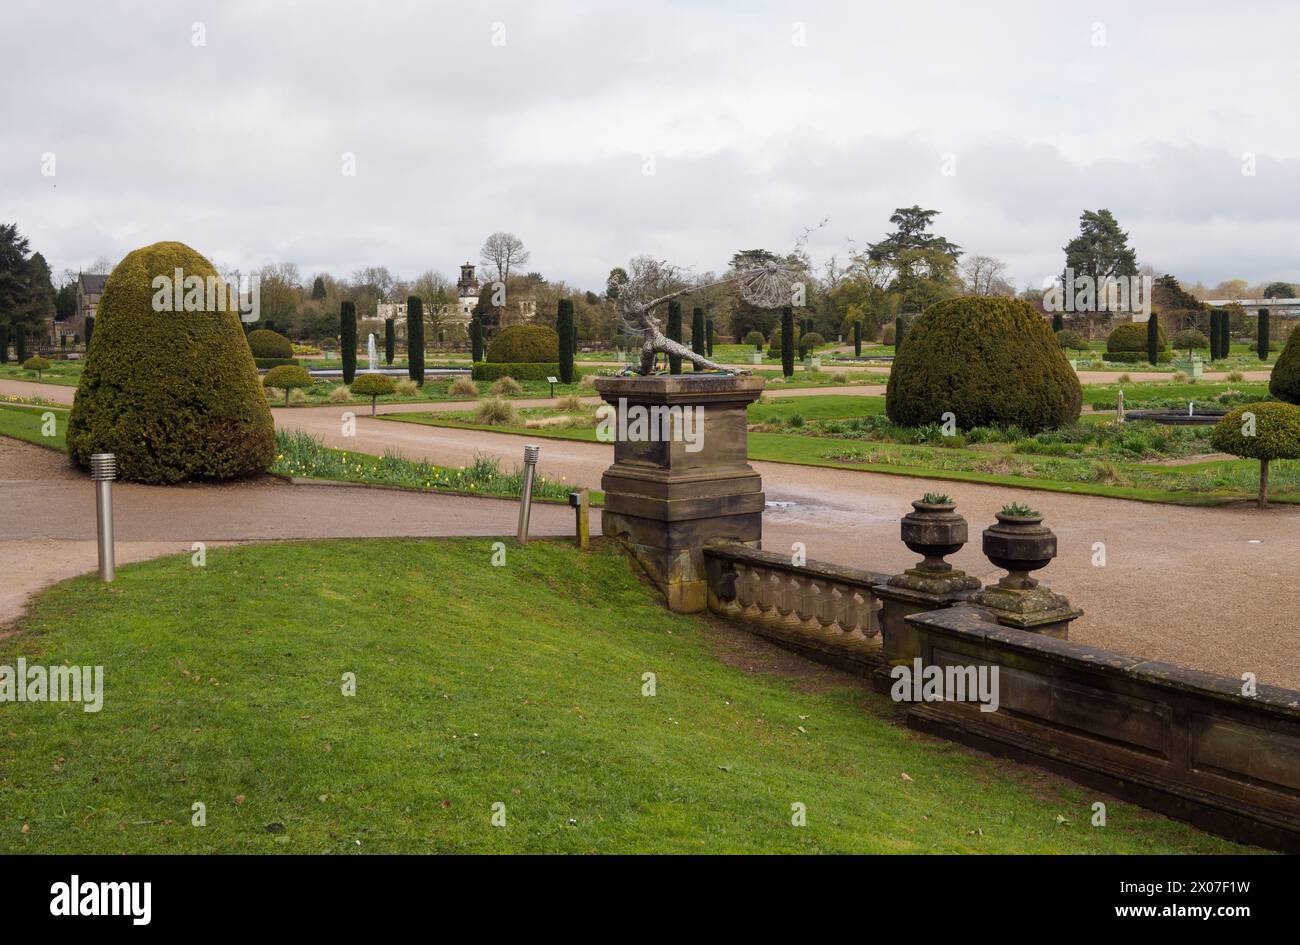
580,503
103,470
531,454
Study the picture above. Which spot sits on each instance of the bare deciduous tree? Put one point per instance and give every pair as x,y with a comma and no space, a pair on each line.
983,275
502,252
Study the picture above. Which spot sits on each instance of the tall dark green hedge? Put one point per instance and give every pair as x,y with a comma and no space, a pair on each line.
1225,334
699,340
415,339
348,339
900,328
675,333
787,342
175,396
390,341
564,329
475,339
1154,347
1261,347
857,339
987,360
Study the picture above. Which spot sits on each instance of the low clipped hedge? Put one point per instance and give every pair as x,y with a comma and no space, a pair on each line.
1137,357
987,360
265,343
525,344
266,364
1132,336
523,371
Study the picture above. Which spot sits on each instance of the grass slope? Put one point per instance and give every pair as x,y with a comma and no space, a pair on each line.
476,684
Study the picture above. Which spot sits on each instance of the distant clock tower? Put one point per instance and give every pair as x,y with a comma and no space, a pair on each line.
467,289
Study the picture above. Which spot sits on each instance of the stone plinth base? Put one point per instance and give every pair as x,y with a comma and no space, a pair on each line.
681,477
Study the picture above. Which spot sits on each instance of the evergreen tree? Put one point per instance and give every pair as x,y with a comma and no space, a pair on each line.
708,336
564,329
348,339
1153,339
899,327
4,344
475,339
390,341
318,289
787,342
857,339
90,329
675,333
1101,249
415,339
1058,322
699,340
1261,347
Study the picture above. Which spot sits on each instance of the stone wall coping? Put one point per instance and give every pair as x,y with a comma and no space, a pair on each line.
772,561
972,622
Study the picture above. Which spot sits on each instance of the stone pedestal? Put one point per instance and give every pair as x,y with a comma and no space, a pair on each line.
1022,544
681,480
933,530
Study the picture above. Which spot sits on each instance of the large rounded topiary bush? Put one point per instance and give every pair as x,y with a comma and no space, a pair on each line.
174,394
265,343
1284,384
987,360
1132,336
525,344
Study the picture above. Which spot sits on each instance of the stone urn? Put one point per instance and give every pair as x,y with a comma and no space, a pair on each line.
934,530
1021,544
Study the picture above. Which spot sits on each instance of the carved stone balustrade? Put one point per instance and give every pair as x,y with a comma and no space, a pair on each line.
826,611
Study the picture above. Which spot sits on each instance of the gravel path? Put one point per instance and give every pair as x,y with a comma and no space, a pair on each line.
1206,588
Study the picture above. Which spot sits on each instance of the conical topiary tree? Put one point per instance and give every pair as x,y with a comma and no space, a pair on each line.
674,332
475,339
415,339
1153,339
787,342
174,395
348,339
986,360
390,341
699,340
20,344
1284,383
564,331
1261,347
857,339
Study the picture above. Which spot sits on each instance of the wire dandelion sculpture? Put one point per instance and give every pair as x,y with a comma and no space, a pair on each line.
769,285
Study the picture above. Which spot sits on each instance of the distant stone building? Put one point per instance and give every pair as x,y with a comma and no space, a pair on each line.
90,286
467,290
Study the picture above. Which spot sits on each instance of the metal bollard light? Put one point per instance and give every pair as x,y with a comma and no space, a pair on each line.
526,493
103,470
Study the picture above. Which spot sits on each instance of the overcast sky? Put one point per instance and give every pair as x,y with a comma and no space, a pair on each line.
546,119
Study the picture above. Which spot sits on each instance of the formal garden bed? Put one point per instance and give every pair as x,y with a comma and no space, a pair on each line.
540,709
1095,456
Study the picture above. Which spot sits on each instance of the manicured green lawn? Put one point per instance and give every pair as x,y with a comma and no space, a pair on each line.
63,373
475,685
28,423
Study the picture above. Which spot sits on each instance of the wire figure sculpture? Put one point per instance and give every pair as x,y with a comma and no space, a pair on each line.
769,285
